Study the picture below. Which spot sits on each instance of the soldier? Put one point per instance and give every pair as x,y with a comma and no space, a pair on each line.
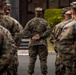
7,49
8,9
37,29
16,31
73,11
67,45
59,70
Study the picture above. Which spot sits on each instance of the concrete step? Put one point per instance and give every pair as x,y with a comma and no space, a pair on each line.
25,40
24,43
23,48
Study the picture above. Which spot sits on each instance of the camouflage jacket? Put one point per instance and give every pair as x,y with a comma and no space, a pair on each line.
37,26
13,26
56,33
67,39
7,48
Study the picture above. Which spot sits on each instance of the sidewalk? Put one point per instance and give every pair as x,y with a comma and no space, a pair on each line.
25,52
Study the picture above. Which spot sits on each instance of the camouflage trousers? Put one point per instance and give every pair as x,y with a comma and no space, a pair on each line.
42,51
64,64
74,67
59,69
13,67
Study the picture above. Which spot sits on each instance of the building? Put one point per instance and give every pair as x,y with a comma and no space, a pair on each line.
23,10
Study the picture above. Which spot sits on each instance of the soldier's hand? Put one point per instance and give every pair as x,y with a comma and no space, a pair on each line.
36,37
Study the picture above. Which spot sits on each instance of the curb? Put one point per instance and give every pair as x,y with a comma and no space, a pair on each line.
22,52
51,52
25,52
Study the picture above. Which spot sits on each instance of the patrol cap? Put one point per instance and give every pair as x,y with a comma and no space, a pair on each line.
73,4
8,6
64,10
38,9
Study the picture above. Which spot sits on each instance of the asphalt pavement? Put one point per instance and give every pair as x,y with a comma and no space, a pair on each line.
24,61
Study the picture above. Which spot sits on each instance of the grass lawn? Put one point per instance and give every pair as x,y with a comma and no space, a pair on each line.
50,46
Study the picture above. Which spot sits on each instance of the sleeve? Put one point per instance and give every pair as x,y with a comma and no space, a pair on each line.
47,32
66,40
7,51
52,36
27,30
56,32
17,32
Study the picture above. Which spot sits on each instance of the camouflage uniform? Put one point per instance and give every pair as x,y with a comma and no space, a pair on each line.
7,48
37,47
16,31
54,40
67,47
73,5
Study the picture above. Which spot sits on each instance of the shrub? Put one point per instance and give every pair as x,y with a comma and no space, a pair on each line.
53,16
